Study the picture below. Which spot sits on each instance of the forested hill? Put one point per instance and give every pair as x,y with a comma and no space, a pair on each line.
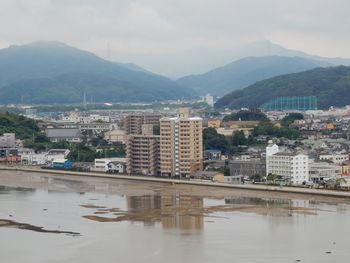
244,72
52,72
330,85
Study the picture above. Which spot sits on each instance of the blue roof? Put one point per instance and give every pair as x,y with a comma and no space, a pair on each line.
212,151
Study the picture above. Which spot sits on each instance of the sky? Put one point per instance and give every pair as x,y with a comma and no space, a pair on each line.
160,34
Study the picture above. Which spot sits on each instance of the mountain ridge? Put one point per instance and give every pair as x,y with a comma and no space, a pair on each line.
330,85
244,72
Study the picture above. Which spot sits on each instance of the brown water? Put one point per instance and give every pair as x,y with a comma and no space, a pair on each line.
46,218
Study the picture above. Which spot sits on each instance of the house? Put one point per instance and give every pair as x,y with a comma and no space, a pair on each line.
213,176
212,155
111,165
69,134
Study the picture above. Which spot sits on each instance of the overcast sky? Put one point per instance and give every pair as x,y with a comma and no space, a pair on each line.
123,29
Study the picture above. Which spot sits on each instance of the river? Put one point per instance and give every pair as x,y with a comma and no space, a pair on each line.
51,218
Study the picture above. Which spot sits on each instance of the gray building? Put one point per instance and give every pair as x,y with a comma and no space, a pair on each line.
69,135
247,168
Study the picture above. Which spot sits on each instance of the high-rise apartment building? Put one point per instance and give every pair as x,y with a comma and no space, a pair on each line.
133,122
181,145
142,152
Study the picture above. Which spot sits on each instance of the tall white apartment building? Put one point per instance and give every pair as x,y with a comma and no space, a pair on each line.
292,166
181,145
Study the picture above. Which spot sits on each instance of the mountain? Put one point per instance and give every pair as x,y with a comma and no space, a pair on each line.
246,71
203,59
52,72
330,85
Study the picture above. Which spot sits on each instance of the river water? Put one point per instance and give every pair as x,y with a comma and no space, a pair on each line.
47,218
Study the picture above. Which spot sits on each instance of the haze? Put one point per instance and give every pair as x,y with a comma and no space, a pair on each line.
179,37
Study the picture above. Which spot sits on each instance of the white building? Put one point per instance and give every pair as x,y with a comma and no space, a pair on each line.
319,171
293,167
55,154
272,149
116,165
209,99
334,158
34,158
8,140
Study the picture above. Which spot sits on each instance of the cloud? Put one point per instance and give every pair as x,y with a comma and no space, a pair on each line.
136,28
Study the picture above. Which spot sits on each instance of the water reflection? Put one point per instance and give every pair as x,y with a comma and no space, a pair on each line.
173,211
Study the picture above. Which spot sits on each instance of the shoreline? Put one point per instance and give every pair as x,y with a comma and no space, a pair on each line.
252,187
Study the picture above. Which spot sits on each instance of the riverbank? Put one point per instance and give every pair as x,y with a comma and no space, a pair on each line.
268,188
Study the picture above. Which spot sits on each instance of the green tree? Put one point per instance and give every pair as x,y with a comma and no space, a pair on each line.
246,115
290,118
213,140
239,138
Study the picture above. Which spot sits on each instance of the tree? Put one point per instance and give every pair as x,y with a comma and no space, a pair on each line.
246,115
239,138
213,140
256,178
290,118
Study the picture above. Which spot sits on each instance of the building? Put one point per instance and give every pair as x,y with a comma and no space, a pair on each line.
293,167
335,158
8,140
234,179
319,171
57,154
212,176
112,165
181,145
247,168
209,99
118,136
212,155
69,135
214,123
31,158
133,122
142,152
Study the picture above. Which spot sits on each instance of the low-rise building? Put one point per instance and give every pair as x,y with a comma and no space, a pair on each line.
69,135
209,176
8,140
112,165
335,158
212,155
234,179
32,158
247,167
118,136
54,154
319,171
214,123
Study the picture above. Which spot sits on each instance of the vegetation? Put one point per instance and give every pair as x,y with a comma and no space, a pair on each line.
290,118
23,127
268,129
330,85
62,74
246,115
247,71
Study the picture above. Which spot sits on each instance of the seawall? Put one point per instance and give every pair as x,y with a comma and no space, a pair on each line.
294,190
